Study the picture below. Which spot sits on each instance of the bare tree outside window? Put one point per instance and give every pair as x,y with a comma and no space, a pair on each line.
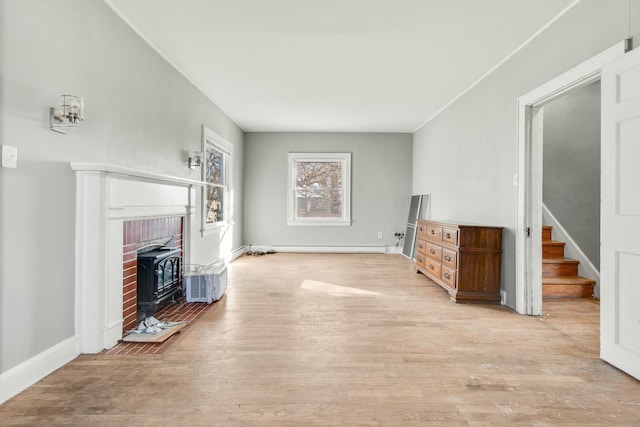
319,189
215,177
216,173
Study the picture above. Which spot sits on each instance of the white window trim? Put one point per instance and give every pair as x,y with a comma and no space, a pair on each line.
345,159
210,138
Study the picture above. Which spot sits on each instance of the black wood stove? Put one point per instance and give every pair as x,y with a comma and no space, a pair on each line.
158,278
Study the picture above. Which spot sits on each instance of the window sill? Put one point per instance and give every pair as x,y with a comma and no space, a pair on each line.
215,228
319,223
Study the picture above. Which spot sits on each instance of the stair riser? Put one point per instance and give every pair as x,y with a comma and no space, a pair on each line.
567,291
546,233
555,251
559,269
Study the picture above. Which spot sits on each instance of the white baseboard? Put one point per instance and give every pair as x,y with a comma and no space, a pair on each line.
393,250
325,249
113,334
33,370
237,253
321,249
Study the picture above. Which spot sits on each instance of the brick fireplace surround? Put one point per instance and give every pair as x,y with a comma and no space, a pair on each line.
117,207
135,232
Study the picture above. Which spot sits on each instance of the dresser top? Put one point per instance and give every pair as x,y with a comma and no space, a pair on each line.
457,224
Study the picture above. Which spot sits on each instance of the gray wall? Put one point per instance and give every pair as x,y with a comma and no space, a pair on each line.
571,178
466,156
140,113
380,180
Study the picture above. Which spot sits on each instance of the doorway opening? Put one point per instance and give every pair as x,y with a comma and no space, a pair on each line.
529,176
571,195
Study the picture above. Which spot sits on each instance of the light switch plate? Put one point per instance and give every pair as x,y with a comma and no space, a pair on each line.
9,156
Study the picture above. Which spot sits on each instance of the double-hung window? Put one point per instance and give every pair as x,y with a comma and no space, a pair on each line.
215,173
319,189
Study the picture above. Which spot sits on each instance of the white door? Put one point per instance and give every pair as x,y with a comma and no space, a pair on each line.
620,214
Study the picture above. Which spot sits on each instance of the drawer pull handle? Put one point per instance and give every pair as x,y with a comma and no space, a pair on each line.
447,276
448,236
433,232
447,258
431,251
431,267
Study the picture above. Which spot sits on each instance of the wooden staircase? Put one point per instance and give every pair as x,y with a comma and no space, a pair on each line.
559,274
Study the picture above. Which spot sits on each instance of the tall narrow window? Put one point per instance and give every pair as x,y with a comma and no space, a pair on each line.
215,172
319,189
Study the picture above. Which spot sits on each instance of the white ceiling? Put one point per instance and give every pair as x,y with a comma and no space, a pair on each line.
335,65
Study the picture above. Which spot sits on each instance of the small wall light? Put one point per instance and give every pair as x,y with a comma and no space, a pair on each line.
195,159
71,112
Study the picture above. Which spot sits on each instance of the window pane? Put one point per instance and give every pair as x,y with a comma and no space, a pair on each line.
319,189
315,203
319,175
214,164
215,204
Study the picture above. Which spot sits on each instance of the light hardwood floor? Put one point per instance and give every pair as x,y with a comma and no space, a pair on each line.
353,340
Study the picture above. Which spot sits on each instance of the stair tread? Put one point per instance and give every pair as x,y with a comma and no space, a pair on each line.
553,242
567,280
560,261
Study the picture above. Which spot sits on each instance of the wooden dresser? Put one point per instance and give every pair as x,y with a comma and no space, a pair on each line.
462,258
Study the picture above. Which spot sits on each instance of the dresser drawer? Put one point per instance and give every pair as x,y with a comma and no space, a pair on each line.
420,260
421,231
449,276
450,236
421,247
434,233
432,267
434,251
450,258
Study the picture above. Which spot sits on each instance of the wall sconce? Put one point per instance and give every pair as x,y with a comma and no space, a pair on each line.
71,112
195,159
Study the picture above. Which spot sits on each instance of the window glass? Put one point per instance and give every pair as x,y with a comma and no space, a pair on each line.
319,189
215,173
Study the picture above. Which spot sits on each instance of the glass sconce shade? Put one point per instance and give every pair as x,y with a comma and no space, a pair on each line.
70,113
195,159
72,108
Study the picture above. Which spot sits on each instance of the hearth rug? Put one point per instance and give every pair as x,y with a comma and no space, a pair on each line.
185,314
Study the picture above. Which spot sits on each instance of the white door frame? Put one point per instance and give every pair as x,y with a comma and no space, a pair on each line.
529,174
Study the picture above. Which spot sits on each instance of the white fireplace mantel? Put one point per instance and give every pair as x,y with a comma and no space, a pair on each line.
106,197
